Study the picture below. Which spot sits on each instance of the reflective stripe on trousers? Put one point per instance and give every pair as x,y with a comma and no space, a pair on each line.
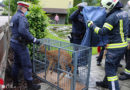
112,61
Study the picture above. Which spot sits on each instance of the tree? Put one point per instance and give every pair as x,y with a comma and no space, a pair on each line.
13,4
76,2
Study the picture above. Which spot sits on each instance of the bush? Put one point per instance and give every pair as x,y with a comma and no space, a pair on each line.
38,22
5,13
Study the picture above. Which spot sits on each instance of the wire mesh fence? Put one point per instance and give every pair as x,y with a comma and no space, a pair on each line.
63,65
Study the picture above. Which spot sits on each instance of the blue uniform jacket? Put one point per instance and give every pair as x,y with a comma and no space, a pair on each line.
116,26
128,35
20,28
78,23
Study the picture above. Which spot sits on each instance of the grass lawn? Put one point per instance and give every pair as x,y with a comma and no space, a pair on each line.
51,36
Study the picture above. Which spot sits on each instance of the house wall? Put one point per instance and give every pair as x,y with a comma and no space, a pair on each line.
56,3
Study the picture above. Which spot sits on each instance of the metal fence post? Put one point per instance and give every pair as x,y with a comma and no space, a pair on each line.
58,67
73,81
89,67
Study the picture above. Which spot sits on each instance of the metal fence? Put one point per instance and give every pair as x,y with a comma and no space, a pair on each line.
61,57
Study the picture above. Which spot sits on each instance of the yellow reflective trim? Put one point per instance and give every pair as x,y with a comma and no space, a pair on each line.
121,30
128,71
117,45
108,26
96,30
114,78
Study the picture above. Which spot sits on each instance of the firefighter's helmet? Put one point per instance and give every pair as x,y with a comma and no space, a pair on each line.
109,4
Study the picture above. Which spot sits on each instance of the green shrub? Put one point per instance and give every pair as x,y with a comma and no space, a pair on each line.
5,13
38,22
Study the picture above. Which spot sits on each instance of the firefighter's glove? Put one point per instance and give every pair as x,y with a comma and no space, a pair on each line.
81,5
36,41
90,24
80,8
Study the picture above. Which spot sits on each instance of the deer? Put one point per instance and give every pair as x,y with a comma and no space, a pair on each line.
64,60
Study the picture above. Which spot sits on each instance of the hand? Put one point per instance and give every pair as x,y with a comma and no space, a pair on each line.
36,41
80,8
89,24
81,5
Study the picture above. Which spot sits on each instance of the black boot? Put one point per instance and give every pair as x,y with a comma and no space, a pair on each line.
32,86
98,63
122,73
119,65
15,82
124,77
103,83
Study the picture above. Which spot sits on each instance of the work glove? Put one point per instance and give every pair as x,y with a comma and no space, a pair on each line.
80,8
81,5
90,24
36,41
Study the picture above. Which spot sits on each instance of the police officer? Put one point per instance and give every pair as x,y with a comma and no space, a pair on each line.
19,40
78,24
116,27
126,74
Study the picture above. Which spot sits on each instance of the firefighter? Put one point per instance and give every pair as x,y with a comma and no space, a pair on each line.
126,74
78,24
116,27
19,40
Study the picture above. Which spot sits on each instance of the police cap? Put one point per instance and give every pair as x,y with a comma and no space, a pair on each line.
24,4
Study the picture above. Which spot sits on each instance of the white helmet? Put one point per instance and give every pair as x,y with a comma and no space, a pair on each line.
109,4
82,4
128,3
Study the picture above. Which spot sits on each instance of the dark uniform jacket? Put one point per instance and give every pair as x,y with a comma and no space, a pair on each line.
116,27
20,29
129,31
78,26
78,22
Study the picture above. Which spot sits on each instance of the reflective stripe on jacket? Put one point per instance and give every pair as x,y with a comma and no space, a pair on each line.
116,27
